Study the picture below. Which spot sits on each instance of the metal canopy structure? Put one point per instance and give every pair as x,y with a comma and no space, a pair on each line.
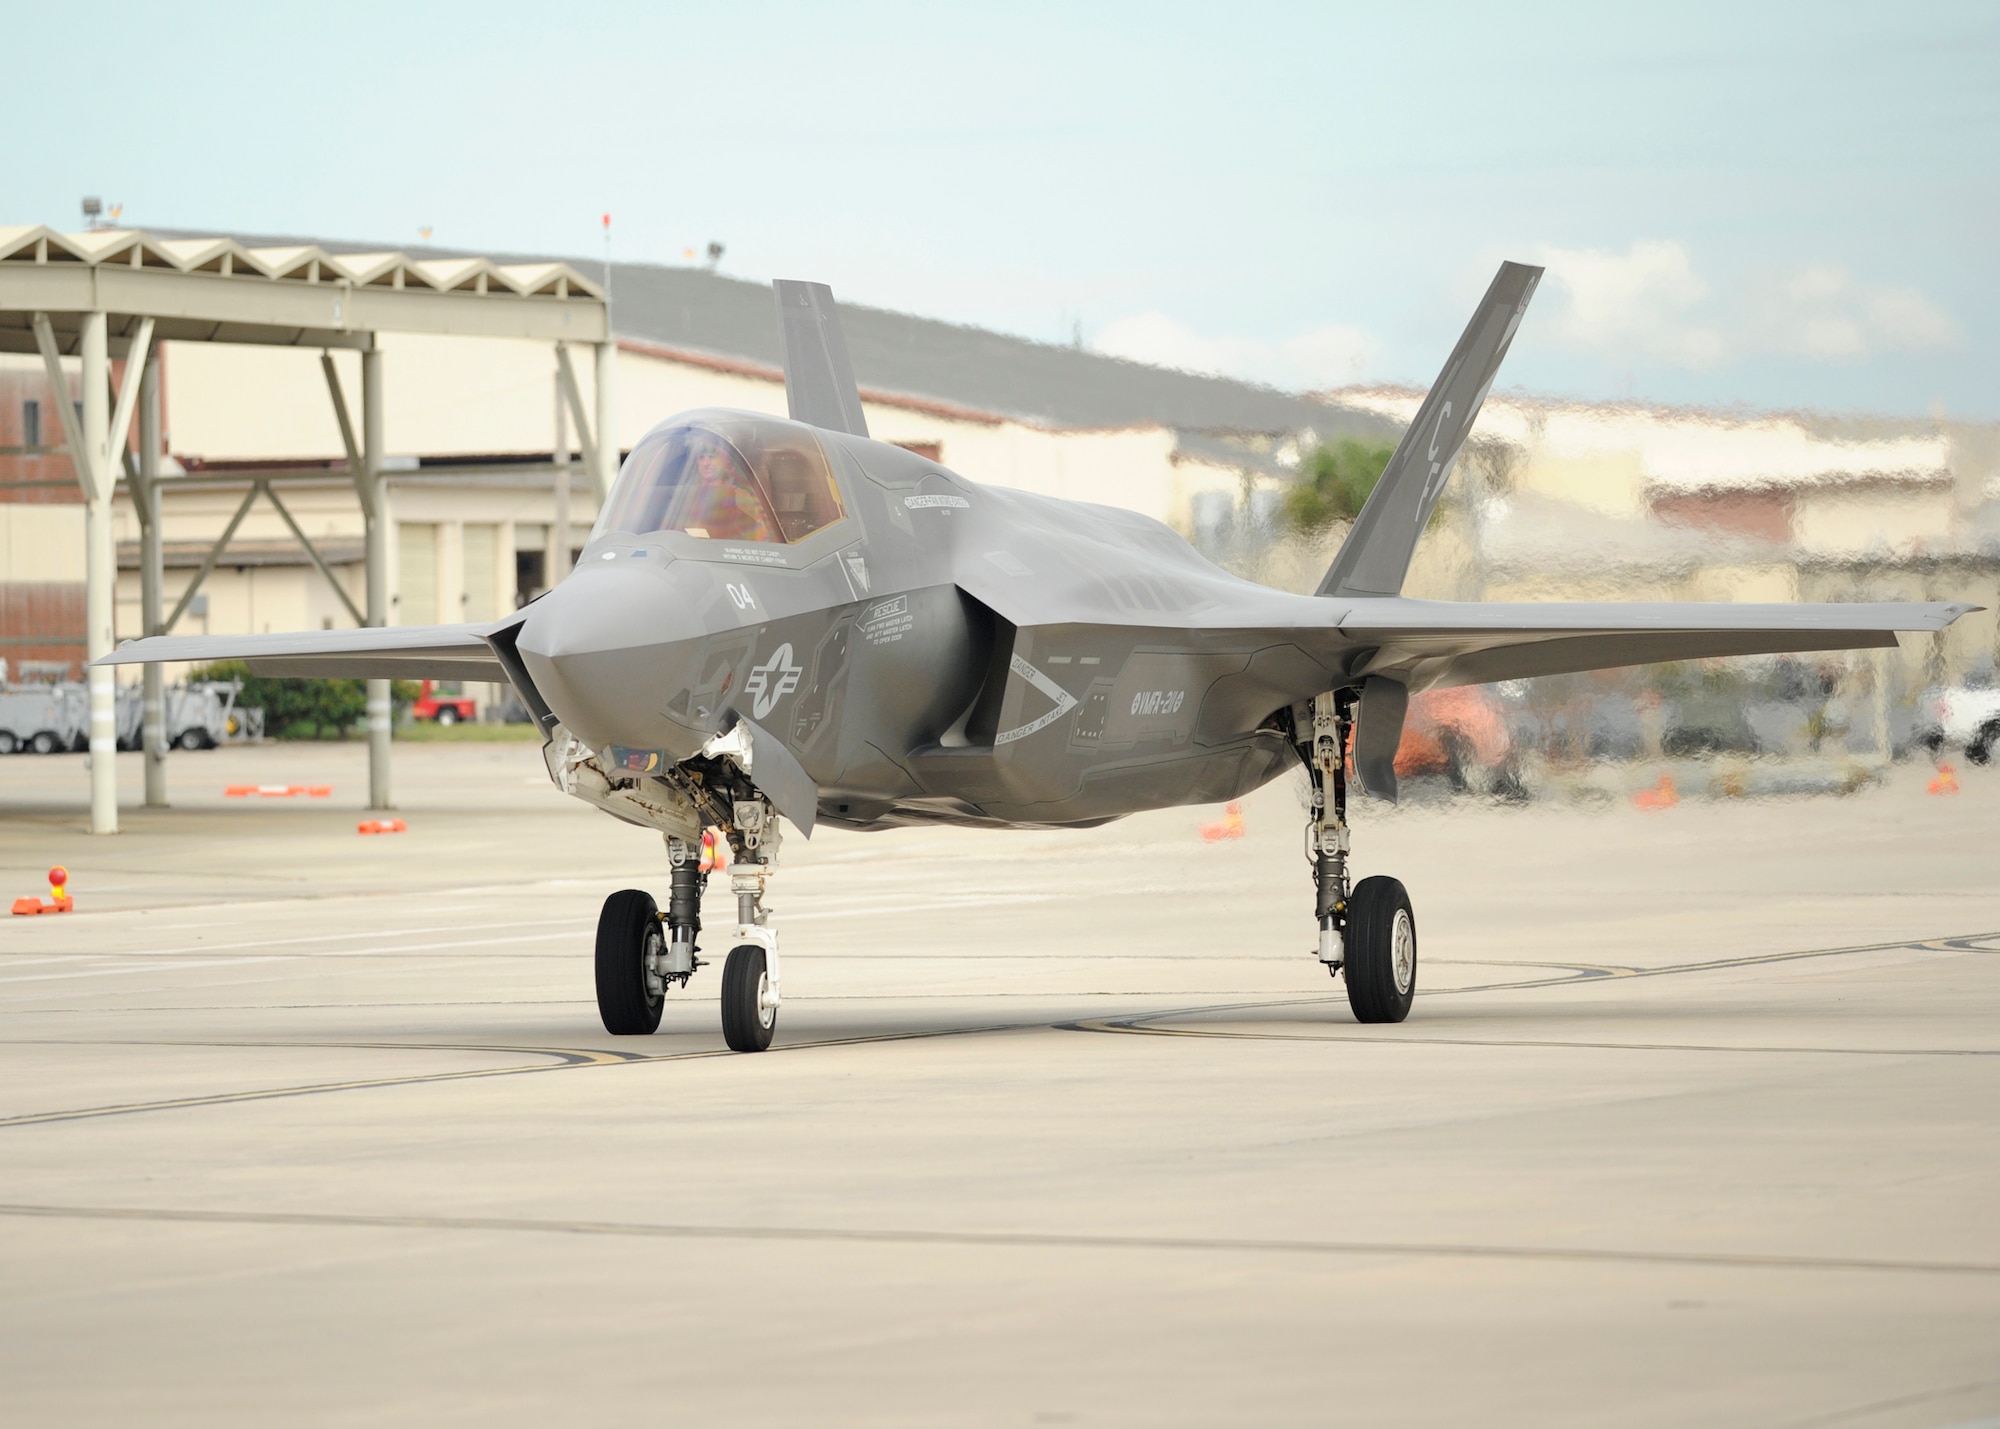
92,296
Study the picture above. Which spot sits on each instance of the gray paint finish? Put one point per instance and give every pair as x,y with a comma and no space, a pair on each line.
949,652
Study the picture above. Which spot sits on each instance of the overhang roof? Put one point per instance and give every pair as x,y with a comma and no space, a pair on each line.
218,289
693,312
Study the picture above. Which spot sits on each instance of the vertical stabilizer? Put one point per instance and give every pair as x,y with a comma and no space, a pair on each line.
819,380
1376,555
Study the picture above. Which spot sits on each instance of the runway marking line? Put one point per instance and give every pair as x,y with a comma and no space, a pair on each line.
566,1059
569,1058
1137,1026
1014,1240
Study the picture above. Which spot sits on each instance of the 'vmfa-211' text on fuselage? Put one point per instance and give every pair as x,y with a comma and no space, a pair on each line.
784,617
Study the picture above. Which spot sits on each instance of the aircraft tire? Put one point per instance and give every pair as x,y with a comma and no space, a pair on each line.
1380,962
747,1023
629,920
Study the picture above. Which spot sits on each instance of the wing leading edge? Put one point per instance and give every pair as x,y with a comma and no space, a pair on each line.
415,652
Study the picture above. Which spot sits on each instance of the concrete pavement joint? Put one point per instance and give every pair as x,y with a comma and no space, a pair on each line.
1008,1239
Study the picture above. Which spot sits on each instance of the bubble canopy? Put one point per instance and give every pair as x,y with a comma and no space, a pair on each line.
724,476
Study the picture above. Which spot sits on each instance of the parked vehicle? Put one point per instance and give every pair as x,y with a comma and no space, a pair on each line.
51,718
1962,718
32,717
204,714
442,702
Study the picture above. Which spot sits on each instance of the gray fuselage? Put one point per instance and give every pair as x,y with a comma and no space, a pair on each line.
946,653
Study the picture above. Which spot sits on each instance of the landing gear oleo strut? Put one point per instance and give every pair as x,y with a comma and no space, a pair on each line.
750,994
1367,933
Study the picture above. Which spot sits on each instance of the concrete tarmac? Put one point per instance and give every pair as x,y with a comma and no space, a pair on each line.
1694,1121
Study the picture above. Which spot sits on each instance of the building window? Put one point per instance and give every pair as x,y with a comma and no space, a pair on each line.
481,563
31,424
417,575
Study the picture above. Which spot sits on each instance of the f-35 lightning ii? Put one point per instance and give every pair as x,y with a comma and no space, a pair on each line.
785,618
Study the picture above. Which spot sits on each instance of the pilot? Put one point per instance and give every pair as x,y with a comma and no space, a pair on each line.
727,505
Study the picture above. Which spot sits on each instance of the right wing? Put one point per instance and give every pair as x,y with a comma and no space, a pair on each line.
1425,643
408,652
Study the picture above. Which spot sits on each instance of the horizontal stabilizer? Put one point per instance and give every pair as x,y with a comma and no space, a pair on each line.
413,652
819,380
1376,555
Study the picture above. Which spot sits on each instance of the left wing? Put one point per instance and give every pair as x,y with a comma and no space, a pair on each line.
410,652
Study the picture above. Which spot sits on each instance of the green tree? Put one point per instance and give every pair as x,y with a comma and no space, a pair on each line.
303,709
1334,481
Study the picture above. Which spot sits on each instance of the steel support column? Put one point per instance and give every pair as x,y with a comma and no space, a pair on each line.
607,420
555,556
146,496
100,574
375,505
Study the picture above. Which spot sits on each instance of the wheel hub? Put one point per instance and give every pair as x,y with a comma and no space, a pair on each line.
1403,951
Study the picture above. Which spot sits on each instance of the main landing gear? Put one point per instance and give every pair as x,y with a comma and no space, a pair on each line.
642,952
1368,932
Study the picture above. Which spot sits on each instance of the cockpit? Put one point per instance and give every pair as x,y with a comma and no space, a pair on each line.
725,476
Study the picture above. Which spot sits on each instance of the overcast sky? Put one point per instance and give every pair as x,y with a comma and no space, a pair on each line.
1766,204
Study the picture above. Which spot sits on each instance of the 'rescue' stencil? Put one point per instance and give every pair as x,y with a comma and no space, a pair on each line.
887,622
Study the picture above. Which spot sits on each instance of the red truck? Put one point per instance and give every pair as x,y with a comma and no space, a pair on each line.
442,702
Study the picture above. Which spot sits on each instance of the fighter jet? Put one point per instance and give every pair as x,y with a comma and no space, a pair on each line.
783,619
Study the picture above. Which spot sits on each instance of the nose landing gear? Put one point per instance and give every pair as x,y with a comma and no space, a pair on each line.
1367,933
750,994
642,952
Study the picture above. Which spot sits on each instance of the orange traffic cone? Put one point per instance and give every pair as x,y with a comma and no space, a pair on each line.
1662,795
381,826
1231,826
1946,781
59,880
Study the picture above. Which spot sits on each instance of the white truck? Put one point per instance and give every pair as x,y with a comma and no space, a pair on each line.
1962,718
50,718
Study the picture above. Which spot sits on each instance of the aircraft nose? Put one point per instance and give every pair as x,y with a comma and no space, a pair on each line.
609,649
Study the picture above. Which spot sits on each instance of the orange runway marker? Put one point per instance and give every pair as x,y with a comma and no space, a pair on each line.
59,880
278,791
1946,781
382,826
